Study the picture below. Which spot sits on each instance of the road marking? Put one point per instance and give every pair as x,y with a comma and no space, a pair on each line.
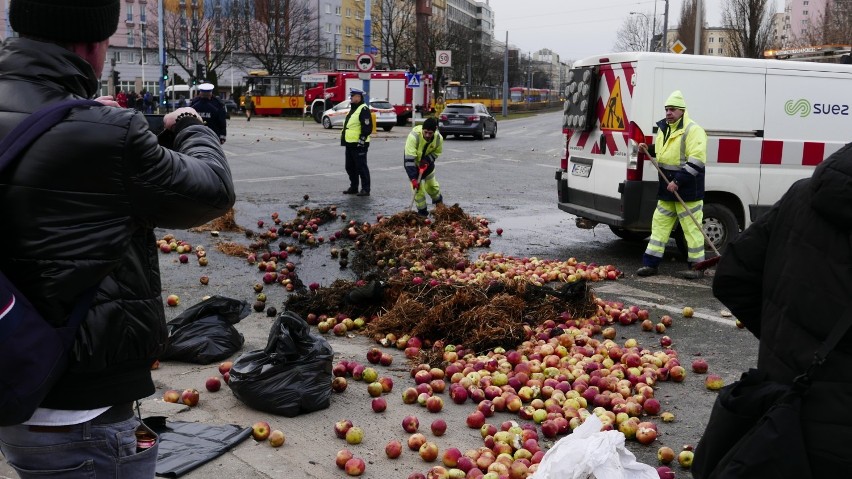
545,166
291,177
510,160
623,289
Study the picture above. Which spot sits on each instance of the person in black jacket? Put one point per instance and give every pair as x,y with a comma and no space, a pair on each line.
788,279
212,110
79,211
356,138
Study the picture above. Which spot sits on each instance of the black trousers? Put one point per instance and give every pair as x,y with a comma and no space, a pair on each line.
356,166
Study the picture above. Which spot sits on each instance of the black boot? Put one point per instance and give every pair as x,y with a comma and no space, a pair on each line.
424,213
646,271
350,191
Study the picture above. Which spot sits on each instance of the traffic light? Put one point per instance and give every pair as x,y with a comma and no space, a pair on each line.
199,71
165,73
115,77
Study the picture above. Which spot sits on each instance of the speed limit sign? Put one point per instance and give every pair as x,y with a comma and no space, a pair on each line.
443,58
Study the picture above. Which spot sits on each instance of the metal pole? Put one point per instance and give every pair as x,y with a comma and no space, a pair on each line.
161,53
664,43
506,77
368,43
696,50
142,51
654,28
469,69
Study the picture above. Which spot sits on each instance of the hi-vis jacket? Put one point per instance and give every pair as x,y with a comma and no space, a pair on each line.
357,126
681,160
418,150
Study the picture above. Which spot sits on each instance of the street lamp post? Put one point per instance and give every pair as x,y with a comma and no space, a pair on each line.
654,27
469,67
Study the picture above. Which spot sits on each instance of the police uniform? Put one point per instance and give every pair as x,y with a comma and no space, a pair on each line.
356,138
212,110
681,151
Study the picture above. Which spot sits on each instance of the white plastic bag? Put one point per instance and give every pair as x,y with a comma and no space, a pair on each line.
589,452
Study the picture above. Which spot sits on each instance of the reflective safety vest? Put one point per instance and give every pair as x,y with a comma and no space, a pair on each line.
352,126
681,151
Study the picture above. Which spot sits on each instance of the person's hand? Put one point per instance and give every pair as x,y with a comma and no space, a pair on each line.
361,143
414,184
643,147
169,119
107,100
672,187
221,140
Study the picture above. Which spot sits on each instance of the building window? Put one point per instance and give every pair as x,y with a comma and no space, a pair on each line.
804,12
327,8
327,28
710,51
721,51
348,31
130,39
117,56
337,29
142,17
337,10
348,12
348,49
721,40
711,40
805,3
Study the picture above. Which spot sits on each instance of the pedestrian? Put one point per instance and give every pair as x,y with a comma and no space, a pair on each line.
356,138
681,151
181,102
148,101
78,215
762,278
212,110
422,147
249,106
121,99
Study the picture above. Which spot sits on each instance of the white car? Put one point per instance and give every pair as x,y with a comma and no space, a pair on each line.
385,114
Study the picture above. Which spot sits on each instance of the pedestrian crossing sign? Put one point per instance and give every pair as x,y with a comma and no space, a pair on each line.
413,81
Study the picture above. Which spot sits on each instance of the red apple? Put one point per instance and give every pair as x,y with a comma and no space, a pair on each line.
171,396
665,455
415,441
410,424
475,420
260,431
341,457
213,384
393,449
439,427
354,466
338,384
172,300
434,404
665,473
646,435
699,366
428,451
714,382
379,404
189,397
340,428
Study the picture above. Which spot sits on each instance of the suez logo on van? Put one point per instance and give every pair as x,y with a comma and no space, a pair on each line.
803,108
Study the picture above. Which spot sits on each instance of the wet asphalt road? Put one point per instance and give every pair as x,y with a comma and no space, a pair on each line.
509,180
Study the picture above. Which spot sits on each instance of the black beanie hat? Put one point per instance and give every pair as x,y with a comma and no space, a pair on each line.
65,20
430,124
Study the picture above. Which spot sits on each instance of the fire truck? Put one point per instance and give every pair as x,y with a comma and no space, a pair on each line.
387,85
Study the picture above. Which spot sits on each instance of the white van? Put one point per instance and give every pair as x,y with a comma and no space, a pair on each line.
769,123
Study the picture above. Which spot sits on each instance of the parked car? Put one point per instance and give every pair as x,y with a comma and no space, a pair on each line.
230,107
385,114
467,119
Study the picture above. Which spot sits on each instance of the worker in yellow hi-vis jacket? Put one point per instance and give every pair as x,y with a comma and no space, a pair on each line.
423,146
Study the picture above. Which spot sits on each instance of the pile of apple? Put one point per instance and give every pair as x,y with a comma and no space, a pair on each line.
339,324
376,386
169,244
305,226
262,431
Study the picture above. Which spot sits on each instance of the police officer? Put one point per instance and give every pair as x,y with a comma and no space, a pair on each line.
681,151
211,109
422,147
356,138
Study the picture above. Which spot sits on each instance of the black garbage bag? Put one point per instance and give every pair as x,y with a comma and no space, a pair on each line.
291,376
186,445
205,332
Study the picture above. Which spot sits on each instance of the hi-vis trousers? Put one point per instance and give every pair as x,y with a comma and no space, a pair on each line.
665,216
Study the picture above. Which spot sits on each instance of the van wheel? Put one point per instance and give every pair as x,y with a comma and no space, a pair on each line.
387,127
317,112
628,235
719,224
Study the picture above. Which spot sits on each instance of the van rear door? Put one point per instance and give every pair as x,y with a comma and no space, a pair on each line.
597,158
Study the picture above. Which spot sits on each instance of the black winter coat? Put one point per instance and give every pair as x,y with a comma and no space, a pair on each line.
79,210
788,278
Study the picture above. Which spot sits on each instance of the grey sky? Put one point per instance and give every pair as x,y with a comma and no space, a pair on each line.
576,29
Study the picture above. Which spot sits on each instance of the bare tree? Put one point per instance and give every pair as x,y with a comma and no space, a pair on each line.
635,34
193,37
686,27
397,24
831,26
750,22
281,35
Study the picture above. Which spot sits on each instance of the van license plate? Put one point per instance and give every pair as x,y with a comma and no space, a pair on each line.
578,169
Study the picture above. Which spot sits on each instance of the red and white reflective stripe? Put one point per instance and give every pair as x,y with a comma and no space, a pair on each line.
768,152
8,307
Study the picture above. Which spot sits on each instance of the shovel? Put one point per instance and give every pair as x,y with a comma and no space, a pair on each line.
701,265
419,177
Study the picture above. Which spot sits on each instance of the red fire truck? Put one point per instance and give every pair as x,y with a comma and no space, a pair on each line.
386,85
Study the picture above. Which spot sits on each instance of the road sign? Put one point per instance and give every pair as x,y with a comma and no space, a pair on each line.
374,50
443,58
314,78
364,62
678,47
413,80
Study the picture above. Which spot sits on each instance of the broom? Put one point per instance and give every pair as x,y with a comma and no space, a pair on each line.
701,265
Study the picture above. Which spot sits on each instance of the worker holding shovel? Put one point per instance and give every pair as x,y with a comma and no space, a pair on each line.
681,153
423,146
